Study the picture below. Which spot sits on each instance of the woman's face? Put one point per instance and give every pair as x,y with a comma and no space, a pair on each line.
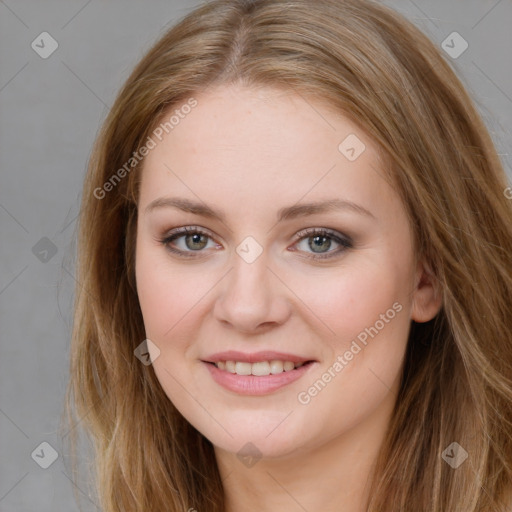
270,279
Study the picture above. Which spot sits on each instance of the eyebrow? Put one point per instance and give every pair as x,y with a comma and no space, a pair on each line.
287,213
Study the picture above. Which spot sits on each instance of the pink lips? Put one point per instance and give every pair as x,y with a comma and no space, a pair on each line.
252,384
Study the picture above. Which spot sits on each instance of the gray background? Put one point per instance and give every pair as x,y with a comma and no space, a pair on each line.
50,111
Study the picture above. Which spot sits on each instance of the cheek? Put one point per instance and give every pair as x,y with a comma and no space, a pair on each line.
367,310
364,311
352,298
169,302
167,295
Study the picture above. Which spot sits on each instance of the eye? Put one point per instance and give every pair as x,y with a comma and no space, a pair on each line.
194,238
320,239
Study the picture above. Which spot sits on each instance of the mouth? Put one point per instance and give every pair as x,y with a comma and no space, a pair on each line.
261,376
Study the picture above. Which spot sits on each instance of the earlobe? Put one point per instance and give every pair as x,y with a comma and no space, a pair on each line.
427,297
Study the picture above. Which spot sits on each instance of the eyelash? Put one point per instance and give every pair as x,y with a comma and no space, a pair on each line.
344,241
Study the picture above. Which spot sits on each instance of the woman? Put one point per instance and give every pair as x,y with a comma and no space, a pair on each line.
295,274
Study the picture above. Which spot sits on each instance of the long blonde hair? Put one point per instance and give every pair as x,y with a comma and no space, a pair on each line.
370,64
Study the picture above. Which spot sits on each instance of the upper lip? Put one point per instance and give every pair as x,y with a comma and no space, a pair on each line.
255,357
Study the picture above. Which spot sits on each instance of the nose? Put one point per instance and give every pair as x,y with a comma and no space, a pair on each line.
252,297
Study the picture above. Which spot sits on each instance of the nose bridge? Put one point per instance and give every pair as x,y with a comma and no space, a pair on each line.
251,294
249,282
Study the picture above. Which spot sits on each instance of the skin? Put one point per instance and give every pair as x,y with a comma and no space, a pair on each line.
249,153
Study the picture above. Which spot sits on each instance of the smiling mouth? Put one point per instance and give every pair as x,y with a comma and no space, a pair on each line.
260,368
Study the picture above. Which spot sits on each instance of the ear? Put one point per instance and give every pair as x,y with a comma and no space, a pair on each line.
427,299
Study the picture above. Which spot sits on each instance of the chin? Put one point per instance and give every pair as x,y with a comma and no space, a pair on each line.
252,433
257,445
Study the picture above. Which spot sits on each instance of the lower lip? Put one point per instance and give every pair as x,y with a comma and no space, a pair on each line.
254,385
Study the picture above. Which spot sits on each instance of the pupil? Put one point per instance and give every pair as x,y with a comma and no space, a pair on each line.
316,243
196,239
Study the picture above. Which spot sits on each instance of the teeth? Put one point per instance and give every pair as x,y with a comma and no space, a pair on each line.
243,368
288,365
260,368
276,367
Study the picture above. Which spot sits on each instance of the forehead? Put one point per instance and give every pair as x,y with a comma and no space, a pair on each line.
251,148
